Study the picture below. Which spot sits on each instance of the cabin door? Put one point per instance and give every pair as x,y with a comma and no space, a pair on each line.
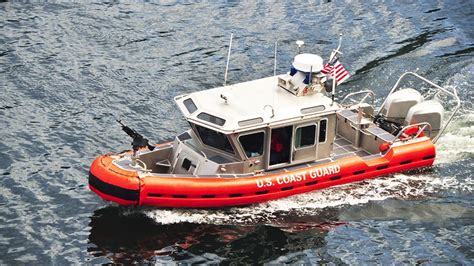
280,145
305,146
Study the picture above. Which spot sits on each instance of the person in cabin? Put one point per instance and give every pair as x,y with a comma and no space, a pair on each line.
280,145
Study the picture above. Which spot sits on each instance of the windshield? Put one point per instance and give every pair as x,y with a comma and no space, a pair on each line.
214,139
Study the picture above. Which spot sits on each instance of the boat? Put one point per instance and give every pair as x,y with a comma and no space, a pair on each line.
278,136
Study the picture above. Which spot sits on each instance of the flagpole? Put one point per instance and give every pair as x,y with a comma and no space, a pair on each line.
333,84
334,54
336,51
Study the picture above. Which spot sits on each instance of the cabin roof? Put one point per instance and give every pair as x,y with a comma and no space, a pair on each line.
249,105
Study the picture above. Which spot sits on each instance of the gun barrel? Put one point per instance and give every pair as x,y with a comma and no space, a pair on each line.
138,140
132,133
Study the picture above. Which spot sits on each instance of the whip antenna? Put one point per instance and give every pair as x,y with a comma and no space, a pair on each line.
228,58
275,59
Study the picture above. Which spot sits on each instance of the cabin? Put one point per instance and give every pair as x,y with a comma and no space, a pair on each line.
279,123
259,125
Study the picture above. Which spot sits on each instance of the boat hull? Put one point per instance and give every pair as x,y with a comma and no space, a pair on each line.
126,187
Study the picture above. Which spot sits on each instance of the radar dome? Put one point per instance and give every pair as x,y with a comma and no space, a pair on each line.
308,62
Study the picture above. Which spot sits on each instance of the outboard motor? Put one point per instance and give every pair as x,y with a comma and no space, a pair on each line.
430,111
392,116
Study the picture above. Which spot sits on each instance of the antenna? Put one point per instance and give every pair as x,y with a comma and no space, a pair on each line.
340,41
299,43
275,59
335,52
228,58
334,80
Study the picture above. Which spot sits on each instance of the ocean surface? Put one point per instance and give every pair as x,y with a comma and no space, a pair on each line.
68,70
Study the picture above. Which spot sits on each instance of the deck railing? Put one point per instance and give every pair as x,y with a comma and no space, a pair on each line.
421,128
350,95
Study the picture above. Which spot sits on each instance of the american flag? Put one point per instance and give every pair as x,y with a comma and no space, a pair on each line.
341,73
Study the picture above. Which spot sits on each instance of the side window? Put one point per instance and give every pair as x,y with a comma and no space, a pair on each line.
214,139
305,136
322,130
252,144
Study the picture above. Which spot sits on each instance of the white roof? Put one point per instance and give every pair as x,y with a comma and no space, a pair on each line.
249,105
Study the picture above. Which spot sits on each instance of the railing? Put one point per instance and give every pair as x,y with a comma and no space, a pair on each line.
452,93
421,128
350,95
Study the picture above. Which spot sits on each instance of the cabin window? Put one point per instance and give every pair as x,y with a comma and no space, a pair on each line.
305,136
214,139
190,106
252,144
211,118
322,130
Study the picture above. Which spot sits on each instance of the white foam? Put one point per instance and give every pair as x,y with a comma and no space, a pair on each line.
397,186
457,142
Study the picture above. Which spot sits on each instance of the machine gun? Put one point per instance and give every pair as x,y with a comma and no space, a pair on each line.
138,140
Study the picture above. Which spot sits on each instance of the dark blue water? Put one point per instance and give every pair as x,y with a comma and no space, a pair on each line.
68,70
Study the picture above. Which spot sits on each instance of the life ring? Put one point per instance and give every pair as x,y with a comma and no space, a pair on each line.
410,133
406,135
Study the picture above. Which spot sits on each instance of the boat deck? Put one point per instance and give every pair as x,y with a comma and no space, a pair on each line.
342,148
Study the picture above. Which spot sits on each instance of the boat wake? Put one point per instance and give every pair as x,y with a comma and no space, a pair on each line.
458,143
403,186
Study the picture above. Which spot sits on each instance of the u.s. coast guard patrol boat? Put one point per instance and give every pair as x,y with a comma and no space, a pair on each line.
278,136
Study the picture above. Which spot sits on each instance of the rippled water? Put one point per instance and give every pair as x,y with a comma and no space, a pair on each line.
68,70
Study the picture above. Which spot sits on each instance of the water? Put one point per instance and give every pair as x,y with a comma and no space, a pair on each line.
68,70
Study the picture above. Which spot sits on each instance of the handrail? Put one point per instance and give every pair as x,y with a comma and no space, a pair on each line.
367,92
135,163
452,93
421,127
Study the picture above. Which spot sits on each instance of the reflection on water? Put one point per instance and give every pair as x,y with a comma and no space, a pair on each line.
68,70
126,238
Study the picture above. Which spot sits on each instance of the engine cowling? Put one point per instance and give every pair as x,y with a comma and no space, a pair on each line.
430,111
398,103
